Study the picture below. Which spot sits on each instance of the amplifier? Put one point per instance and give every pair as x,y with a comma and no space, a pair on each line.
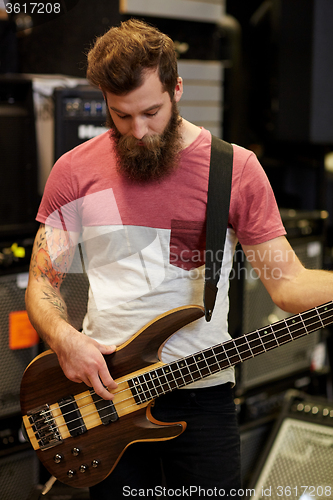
79,115
297,461
11,436
13,361
19,472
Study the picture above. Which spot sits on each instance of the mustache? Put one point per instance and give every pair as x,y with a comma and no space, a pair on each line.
133,146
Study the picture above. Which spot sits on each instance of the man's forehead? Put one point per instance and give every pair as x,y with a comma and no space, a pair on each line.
150,84
141,100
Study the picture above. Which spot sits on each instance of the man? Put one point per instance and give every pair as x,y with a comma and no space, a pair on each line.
136,199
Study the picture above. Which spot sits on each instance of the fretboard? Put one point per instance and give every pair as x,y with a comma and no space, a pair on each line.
182,372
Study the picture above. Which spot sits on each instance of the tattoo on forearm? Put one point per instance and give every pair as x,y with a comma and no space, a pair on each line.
53,298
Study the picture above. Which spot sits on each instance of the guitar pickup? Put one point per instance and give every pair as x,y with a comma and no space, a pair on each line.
72,416
106,409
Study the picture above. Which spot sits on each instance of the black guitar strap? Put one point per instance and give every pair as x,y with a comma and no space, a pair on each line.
218,201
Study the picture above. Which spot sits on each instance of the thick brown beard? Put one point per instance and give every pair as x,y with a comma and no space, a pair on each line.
155,157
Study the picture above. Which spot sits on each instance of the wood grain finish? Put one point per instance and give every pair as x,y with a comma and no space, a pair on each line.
141,376
44,383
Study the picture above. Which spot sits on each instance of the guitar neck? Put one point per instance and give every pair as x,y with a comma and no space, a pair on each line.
182,372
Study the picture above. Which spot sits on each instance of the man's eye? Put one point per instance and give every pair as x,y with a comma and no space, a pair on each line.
122,116
152,114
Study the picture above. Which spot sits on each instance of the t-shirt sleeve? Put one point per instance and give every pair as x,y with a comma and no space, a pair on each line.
59,206
254,214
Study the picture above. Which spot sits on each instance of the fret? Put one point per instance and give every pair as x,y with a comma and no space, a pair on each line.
326,313
240,359
311,321
261,340
255,343
269,338
162,381
281,332
202,364
184,371
290,335
232,353
152,383
226,348
295,327
249,346
170,378
322,324
179,379
136,390
212,360
275,338
144,388
221,357
147,388
189,360
303,324
243,347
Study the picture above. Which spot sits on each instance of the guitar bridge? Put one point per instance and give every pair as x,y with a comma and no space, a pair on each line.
44,427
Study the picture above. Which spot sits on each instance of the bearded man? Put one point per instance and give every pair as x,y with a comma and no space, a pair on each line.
135,198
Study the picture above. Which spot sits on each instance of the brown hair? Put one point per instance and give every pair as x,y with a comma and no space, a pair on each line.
118,59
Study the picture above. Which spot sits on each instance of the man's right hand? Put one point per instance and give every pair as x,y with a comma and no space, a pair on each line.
81,359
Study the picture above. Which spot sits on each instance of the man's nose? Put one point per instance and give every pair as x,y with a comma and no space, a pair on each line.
139,128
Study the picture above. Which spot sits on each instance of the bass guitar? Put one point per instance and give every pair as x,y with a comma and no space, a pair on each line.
80,437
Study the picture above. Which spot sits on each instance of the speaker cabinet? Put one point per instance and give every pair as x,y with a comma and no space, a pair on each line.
297,461
18,186
18,475
13,362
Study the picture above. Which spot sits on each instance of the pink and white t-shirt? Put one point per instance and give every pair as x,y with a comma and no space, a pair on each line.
144,244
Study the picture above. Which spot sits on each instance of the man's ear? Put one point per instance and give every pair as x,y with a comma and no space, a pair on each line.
178,89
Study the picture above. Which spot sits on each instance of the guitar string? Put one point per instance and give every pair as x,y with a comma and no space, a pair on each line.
190,356
95,412
161,385
146,401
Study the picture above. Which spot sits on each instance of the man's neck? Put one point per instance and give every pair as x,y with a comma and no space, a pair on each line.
189,133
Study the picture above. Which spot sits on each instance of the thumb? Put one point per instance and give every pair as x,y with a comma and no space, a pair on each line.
107,349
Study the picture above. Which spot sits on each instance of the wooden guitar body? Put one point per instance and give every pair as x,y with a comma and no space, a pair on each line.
80,437
87,458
